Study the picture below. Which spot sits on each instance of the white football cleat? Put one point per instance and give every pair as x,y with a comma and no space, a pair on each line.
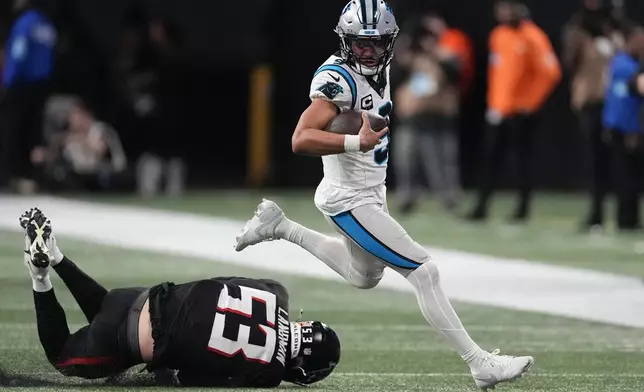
494,369
262,226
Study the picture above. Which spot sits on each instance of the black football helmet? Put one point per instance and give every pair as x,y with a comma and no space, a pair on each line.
316,350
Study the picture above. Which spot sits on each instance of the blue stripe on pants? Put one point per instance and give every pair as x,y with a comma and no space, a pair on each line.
352,228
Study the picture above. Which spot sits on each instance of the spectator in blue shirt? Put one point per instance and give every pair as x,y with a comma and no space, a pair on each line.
27,72
621,119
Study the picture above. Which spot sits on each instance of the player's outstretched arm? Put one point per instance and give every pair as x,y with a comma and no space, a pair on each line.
309,137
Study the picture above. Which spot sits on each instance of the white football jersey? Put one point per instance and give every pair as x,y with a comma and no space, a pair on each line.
349,177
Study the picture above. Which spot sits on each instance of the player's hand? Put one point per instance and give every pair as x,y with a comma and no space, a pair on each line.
369,138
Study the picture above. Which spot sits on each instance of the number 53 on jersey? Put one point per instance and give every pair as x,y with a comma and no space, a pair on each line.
228,306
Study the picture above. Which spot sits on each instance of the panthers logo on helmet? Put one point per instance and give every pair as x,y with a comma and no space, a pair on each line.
331,90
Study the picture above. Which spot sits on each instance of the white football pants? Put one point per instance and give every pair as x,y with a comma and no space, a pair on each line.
371,240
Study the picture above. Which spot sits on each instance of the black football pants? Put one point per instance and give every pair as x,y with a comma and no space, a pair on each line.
94,351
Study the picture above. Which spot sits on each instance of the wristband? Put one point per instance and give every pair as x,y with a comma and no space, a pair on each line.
351,143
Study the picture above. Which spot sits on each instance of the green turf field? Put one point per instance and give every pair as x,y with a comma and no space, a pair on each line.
551,236
386,344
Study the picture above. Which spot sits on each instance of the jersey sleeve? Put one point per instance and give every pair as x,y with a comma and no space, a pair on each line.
335,84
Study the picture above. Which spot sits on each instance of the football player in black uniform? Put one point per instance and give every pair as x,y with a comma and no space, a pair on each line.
227,331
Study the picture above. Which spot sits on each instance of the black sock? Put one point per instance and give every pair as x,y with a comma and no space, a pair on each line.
52,324
86,291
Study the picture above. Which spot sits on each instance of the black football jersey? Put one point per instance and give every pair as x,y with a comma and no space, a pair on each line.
225,332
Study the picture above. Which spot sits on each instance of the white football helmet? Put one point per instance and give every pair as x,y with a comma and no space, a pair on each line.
367,30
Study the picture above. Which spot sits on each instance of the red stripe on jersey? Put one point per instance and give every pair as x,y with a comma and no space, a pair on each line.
87,361
228,310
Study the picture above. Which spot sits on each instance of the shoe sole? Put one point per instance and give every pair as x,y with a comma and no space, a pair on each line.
247,227
525,370
240,239
37,220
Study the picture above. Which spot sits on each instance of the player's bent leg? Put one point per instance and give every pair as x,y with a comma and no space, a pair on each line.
53,330
372,229
270,223
370,269
72,355
51,321
337,253
367,270
375,231
104,348
93,351
88,293
79,357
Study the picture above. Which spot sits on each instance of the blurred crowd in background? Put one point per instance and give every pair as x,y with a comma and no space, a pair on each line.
54,140
57,137
523,70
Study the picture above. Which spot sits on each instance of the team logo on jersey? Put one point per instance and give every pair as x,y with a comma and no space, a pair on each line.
331,90
367,102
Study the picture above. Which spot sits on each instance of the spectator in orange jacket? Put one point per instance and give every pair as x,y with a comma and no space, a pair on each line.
506,69
507,63
541,75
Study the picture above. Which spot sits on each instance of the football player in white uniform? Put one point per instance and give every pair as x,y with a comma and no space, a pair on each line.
351,196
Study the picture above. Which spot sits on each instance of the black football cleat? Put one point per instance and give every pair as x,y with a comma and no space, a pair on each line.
37,231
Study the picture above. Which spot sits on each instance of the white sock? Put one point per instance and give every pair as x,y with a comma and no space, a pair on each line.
55,255
438,311
40,277
42,283
332,251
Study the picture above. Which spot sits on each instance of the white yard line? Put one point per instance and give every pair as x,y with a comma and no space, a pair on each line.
429,375
533,374
467,277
